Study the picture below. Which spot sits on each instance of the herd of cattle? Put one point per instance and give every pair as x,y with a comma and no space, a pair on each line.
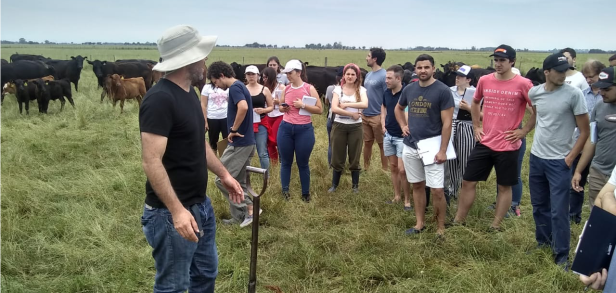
34,77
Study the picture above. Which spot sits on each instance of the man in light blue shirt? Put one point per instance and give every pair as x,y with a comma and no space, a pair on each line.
371,117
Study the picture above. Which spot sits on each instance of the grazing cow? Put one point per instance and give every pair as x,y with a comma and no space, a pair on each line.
25,70
21,57
69,69
126,88
25,91
57,90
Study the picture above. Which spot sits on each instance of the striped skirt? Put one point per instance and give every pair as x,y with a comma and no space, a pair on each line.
463,143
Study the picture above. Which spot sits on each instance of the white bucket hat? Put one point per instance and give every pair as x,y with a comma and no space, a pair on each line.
182,45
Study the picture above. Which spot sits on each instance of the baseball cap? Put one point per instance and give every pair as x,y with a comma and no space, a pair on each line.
292,65
252,69
464,70
556,61
504,51
606,78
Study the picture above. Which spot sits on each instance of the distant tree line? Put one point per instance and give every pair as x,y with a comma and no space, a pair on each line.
311,46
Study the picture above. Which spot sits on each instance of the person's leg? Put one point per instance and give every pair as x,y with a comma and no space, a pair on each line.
171,252
304,143
368,136
596,181
377,130
415,174
272,133
339,150
329,142
540,199
235,160
503,204
213,133
435,179
224,129
390,152
286,150
406,186
204,266
261,139
559,178
576,198
516,196
354,140
478,168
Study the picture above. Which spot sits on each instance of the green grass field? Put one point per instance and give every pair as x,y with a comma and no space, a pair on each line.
73,190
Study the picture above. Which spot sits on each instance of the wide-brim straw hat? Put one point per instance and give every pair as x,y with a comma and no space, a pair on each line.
182,45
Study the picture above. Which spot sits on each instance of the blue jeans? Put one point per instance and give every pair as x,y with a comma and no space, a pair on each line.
298,140
610,284
330,122
549,182
516,190
261,138
181,264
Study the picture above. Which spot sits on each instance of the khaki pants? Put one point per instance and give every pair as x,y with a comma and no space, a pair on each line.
343,137
596,181
235,160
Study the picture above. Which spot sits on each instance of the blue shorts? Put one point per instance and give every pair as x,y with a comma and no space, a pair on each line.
393,145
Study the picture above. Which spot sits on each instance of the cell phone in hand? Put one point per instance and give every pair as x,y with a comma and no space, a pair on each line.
284,105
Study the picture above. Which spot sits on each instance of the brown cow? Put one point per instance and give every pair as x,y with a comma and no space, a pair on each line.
126,88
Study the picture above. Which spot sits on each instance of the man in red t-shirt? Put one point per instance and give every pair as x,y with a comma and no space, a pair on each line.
505,96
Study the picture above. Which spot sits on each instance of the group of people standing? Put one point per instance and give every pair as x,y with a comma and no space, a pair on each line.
482,126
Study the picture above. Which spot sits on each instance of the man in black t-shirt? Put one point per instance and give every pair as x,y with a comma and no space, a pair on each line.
242,143
178,219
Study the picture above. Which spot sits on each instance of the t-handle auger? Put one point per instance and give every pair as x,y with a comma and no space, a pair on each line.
252,281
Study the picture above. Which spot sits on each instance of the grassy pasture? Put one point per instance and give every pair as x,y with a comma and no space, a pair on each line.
73,188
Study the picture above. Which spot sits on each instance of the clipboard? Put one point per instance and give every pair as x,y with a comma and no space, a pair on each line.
429,147
469,93
596,246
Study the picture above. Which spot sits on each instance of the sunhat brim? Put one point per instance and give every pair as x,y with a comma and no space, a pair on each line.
192,55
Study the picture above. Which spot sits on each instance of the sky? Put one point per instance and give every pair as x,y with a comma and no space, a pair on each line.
532,24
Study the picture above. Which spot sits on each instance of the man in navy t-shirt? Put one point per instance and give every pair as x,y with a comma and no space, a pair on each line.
393,140
430,113
241,147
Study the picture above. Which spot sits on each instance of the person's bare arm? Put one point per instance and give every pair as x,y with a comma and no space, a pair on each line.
476,115
402,119
383,116
204,109
446,118
317,108
153,149
587,154
584,127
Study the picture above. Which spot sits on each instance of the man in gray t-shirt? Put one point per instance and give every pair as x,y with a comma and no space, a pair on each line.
371,117
559,107
600,151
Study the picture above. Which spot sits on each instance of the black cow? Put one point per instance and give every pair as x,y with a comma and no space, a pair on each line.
408,66
536,75
409,76
136,60
3,61
27,91
126,69
69,69
25,70
21,57
57,90
321,77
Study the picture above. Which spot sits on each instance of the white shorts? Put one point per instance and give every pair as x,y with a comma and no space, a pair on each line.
416,171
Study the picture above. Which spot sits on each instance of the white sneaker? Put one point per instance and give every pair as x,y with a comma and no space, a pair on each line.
248,220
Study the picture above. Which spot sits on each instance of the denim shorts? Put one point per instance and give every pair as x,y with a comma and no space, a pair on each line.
393,145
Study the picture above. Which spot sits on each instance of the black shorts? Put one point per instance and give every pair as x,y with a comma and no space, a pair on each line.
481,161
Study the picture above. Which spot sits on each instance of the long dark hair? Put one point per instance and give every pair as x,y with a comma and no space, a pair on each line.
303,72
271,82
277,62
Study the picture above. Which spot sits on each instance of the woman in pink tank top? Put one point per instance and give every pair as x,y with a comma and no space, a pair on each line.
296,134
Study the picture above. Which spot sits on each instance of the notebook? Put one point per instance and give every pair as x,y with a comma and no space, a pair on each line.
429,147
308,101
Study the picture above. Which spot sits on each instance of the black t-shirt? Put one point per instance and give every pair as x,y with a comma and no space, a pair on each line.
169,111
259,101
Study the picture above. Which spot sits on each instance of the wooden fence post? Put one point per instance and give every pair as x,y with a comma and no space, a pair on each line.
325,61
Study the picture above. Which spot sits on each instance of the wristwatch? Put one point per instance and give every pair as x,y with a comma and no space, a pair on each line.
232,131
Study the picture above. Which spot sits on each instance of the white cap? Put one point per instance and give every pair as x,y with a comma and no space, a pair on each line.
464,70
291,65
515,70
252,69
